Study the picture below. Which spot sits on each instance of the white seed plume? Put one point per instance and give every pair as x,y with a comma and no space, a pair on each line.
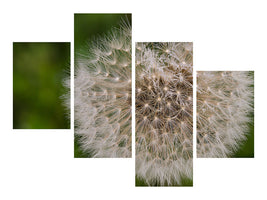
164,112
224,102
103,95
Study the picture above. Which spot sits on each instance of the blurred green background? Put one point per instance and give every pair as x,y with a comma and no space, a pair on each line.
87,28
38,72
247,148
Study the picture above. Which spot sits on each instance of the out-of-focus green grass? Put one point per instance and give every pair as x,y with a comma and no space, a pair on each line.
87,28
38,71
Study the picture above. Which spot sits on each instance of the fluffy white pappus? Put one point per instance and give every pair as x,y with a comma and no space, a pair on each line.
224,103
65,98
164,107
103,95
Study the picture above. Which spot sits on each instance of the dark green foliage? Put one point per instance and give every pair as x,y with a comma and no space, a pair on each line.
38,71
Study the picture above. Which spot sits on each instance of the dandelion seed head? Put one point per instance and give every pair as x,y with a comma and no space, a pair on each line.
222,116
103,118
162,155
